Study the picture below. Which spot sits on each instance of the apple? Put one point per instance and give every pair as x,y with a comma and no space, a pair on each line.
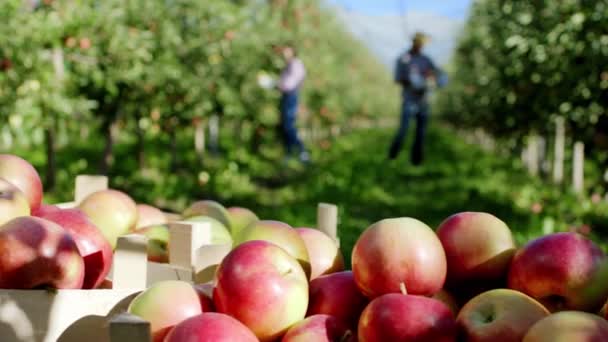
262,286
568,326
318,328
165,304
398,253
211,327
205,294
337,295
560,270
158,242
208,208
324,254
240,218
478,247
219,232
92,246
44,209
37,253
24,176
281,234
13,202
399,317
148,215
499,315
448,299
112,211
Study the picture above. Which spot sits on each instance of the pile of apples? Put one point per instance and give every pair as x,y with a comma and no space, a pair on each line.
466,280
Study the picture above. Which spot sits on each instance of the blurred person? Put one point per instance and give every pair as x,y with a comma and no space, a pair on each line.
290,83
416,73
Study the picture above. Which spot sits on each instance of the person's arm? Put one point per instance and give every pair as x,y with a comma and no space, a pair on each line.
292,77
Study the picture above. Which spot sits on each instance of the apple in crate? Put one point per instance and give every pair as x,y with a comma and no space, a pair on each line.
24,176
561,270
211,327
319,328
219,232
240,218
478,246
166,304
337,295
205,294
208,208
281,234
158,242
13,202
499,315
399,317
399,252
262,286
44,209
148,215
92,245
324,254
568,326
112,211
37,253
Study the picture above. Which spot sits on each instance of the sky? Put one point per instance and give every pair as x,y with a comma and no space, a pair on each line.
386,25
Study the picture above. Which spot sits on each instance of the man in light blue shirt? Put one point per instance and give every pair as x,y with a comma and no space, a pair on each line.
415,72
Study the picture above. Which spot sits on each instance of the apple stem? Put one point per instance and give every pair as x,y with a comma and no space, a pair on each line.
403,288
347,336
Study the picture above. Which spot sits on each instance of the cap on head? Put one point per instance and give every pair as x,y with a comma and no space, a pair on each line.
420,38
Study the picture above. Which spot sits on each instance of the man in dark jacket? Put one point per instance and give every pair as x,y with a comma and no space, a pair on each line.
415,72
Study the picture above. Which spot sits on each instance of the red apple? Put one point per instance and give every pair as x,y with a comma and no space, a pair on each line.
208,208
318,328
148,215
396,253
24,176
499,315
324,254
37,253
13,202
166,304
337,295
478,246
112,211
205,294
92,245
262,286
399,317
44,209
281,234
568,326
211,327
240,218
560,270
158,242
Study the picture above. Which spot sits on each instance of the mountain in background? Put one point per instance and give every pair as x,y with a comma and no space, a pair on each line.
389,35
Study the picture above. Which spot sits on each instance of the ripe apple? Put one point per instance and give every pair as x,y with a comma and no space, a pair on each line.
44,209
499,315
399,317
24,176
208,208
337,295
112,211
92,246
158,242
165,304
148,215
399,252
13,202
281,234
262,286
560,270
568,326
240,218
211,327
478,247
219,232
318,328
37,253
324,254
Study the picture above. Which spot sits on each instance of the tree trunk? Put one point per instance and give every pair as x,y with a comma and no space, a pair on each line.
107,151
51,167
